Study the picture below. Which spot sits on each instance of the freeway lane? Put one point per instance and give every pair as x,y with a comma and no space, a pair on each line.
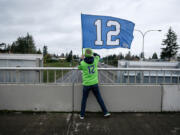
70,77
76,76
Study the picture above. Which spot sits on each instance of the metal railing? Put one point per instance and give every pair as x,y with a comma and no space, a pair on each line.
73,75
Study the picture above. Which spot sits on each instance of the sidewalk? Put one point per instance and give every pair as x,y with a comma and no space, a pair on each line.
93,124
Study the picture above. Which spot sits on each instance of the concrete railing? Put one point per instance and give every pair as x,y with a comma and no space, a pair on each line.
123,89
118,98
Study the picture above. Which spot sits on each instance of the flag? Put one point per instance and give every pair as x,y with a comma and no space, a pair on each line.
105,32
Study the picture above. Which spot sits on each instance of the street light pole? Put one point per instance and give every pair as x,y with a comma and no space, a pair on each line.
143,35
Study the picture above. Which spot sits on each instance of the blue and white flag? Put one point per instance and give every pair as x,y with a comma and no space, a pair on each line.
106,32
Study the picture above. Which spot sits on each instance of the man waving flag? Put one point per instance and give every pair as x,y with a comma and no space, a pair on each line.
100,32
104,32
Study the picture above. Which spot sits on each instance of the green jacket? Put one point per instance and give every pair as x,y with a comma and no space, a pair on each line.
90,71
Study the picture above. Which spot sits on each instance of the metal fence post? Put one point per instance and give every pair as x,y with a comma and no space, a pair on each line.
55,76
40,76
47,79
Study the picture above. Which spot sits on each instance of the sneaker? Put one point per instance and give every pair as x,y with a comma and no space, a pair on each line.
107,115
81,117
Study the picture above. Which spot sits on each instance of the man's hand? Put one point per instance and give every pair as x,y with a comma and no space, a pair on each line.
82,57
95,54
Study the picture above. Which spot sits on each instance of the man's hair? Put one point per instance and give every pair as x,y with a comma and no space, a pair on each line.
88,52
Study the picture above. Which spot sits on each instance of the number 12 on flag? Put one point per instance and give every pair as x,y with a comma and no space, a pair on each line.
106,32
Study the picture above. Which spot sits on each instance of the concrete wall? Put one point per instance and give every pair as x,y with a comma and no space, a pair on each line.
171,98
118,98
39,97
123,98
49,97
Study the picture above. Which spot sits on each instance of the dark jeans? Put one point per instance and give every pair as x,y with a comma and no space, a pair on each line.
96,92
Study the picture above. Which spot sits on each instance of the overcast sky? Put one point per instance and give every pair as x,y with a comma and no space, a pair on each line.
57,23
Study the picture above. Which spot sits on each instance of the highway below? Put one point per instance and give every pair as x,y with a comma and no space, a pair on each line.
76,76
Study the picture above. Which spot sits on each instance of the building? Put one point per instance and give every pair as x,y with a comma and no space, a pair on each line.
148,76
20,60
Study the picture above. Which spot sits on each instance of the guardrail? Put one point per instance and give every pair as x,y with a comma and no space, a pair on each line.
73,75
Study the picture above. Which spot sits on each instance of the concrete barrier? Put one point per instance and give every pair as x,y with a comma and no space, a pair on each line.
36,97
171,98
118,98
123,98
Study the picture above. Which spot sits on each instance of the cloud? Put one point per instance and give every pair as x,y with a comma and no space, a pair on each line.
57,24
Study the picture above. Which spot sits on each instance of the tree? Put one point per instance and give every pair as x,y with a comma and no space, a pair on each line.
69,57
62,55
128,56
8,48
24,45
171,46
39,52
31,48
141,55
135,57
154,56
47,58
45,50
120,56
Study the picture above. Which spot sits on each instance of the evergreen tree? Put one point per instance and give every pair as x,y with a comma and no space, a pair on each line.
141,55
62,55
39,52
45,50
171,46
137,57
154,56
128,56
69,57
120,56
24,45
31,48
8,48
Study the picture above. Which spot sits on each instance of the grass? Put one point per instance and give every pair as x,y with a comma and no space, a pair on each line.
59,73
60,64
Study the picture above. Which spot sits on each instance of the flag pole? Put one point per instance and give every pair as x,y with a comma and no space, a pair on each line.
107,56
82,50
81,34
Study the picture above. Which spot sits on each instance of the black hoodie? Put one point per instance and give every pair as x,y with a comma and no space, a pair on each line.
90,60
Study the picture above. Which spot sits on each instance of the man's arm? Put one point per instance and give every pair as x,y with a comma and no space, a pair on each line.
80,66
97,56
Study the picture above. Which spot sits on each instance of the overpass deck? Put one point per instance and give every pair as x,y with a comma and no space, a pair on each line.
17,123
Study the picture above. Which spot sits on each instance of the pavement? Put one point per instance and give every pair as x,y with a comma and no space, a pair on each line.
18,123
76,76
